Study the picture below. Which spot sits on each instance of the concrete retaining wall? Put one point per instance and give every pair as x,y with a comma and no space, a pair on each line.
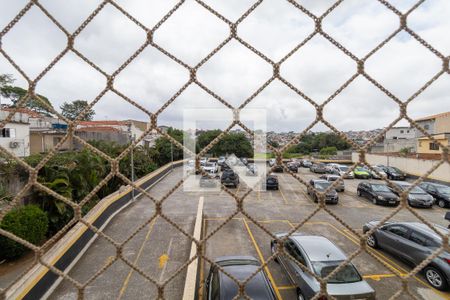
39,282
412,166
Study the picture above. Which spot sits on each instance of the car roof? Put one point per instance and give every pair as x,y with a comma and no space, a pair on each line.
319,181
256,288
319,248
435,184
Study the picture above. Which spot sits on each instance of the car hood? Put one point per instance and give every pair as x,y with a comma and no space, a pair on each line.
355,290
387,194
424,197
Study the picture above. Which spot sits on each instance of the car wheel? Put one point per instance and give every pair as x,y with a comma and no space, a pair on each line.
374,200
300,295
435,278
359,193
441,203
372,241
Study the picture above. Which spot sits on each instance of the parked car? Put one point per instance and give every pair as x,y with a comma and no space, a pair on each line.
318,168
416,197
320,256
321,185
190,167
221,160
295,162
361,172
306,163
252,170
344,172
229,178
243,161
203,161
272,162
292,167
330,167
394,173
271,182
378,193
208,180
220,286
340,187
413,242
210,167
440,192
378,170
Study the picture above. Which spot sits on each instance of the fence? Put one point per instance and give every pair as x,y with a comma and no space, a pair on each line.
193,80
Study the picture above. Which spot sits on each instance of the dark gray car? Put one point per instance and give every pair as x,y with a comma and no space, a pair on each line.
221,287
416,197
378,193
413,242
320,185
440,192
321,257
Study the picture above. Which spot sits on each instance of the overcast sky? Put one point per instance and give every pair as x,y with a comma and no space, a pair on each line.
274,28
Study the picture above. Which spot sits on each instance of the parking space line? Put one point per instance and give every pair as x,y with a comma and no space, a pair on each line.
261,257
284,198
127,279
377,277
290,187
286,287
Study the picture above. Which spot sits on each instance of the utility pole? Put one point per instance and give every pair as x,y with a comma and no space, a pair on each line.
131,160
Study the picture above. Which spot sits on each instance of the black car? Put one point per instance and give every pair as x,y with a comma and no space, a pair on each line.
271,182
319,185
440,192
220,286
378,193
394,173
416,196
292,167
229,178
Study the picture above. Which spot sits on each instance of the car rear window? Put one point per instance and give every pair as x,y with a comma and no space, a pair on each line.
347,274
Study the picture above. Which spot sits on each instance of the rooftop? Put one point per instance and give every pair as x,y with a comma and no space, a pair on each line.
444,114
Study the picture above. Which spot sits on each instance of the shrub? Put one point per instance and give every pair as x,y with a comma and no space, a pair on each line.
28,222
328,151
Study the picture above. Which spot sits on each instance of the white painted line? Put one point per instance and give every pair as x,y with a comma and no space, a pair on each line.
191,275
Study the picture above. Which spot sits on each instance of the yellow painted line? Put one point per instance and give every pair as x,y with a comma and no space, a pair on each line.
284,198
163,259
261,257
127,279
287,287
378,277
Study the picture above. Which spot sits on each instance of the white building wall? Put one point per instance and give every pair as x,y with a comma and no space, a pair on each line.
22,137
412,166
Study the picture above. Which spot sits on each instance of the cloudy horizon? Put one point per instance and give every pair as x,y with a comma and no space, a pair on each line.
275,27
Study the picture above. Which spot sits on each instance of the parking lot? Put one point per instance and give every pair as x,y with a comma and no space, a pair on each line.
160,250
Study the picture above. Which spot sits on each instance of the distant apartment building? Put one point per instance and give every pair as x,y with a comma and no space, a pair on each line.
438,126
15,135
435,124
398,138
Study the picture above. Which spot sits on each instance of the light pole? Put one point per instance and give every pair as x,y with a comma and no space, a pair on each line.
131,160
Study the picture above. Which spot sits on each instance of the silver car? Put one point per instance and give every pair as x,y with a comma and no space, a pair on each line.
416,196
344,172
321,257
414,242
340,186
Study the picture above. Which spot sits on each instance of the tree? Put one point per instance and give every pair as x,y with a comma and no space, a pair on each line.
205,138
328,151
15,94
164,148
72,110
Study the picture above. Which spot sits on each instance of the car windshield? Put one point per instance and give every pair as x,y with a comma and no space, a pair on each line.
414,190
348,274
378,169
380,188
332,178
343,169
444,189
209,165
322,185
361,169
393,169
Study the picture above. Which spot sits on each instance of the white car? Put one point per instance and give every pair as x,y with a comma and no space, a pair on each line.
343,171
210,167
190,167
